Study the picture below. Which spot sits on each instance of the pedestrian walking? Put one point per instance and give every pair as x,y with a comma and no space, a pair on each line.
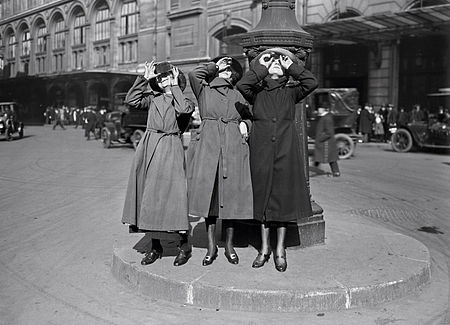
325,148
378,127
280,193
219,180
91,120
156,199
59,118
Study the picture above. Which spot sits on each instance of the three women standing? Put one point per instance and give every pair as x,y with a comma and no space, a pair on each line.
219,181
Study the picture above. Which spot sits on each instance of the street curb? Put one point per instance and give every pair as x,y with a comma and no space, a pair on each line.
127,270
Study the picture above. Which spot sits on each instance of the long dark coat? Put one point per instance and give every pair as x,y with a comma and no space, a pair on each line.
325,148
156,197
219,181
365,121
278,173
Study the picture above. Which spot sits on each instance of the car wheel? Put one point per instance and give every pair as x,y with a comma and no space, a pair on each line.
345,145
402,141
136,137
106,138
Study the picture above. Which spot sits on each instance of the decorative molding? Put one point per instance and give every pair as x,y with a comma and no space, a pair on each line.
184,13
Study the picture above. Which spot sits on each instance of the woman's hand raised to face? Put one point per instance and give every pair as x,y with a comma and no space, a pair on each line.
266,60
149,72
174,78
223,63
285,61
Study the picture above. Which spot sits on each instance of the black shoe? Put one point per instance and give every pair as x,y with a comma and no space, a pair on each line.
336,174
182,257
209,259
233,258
260,260
151,257
280,266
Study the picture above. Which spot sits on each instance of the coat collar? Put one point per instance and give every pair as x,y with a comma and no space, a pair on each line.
220,82
275,83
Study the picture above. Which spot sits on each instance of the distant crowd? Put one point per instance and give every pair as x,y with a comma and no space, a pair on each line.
90,118
374,124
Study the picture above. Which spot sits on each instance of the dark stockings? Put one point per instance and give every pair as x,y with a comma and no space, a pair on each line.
265,239
229,228
210,223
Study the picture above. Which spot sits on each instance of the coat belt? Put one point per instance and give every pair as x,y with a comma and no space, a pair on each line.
164,132
223,122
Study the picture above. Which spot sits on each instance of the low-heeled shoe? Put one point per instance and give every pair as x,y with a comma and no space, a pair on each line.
209,259
281,267
151,257
233,258
182,257
258,262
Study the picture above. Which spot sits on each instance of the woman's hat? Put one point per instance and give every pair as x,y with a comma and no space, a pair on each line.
235,65
162,68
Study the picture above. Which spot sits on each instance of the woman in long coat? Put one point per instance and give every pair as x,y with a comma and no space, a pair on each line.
325,148
156,198
278,178
219,181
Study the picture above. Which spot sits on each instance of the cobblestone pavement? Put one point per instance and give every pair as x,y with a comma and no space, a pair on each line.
61,199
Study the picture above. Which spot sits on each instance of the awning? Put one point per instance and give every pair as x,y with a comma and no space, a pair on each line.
385,26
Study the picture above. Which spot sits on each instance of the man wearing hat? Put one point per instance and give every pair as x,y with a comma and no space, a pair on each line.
277,80
219,181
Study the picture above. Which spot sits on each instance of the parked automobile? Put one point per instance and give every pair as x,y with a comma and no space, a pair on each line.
124,126
433,133
343,104
10,120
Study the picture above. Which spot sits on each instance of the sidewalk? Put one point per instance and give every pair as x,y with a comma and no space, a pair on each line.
360,265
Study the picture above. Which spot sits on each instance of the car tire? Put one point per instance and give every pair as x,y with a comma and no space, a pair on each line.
345,145
136,137
106,138
402,141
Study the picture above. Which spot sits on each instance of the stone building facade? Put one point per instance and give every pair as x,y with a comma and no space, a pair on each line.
88,52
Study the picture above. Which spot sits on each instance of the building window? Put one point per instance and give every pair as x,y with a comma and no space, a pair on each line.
78,57
102,24
79,30
129,19
128,51
59,35
41,44
26,42
12,46
102,55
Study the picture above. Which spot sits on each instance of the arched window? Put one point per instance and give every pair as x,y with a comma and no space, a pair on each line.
59,42
79,36
102,23
26,42
41,43
12,46
128,42
129,18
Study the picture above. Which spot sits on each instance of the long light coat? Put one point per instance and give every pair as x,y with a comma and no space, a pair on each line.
278,173
156,196
219,181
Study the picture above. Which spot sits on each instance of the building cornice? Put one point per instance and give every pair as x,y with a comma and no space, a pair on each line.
32,11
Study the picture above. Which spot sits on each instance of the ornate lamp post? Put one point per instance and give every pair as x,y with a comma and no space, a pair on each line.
278,27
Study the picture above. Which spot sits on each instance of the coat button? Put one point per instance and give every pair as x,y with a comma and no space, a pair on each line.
274,119
273,139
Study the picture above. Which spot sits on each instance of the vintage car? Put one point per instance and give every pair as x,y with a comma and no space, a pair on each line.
126,125
343,104
10,120
433,133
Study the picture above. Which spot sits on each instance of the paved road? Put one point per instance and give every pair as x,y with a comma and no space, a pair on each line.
61,199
